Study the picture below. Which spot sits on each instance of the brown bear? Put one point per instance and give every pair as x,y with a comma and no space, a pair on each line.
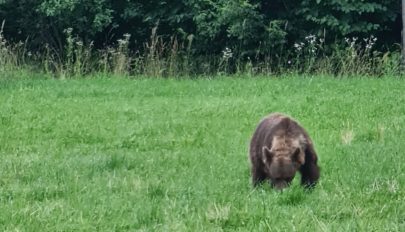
279,148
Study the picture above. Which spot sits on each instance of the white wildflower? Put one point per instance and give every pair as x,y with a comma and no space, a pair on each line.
122,42
227,53
351,42
299,46
370,42
69,30
310,39
79,43
127,36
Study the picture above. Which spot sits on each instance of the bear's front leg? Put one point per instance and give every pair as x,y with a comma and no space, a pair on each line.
258,176
310,171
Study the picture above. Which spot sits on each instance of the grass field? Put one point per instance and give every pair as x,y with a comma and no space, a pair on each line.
171,155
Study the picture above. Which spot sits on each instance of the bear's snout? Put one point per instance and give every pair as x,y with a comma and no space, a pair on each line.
282,184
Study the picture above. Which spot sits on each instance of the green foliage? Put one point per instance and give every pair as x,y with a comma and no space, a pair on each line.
45,21
219,36
88,16
244,25
343,17
171,155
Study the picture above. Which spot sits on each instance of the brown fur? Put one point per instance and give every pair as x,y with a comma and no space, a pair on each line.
279,148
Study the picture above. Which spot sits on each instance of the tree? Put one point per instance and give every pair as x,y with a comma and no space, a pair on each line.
246,26
403,31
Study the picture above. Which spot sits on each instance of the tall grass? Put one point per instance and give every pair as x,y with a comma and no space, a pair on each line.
168,58
11,55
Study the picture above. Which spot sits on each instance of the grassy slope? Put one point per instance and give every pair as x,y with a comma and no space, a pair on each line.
172,155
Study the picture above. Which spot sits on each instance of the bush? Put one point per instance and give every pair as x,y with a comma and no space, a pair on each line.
73,38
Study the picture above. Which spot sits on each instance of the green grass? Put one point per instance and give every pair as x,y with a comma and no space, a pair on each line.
171,155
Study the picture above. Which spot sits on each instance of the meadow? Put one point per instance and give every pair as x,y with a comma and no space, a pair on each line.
171,155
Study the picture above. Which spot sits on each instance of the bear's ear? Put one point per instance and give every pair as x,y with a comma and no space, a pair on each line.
299,156
267,154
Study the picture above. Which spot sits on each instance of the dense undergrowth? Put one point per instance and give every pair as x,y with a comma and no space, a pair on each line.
160,58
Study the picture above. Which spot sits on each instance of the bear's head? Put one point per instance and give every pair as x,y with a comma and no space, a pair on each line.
281,164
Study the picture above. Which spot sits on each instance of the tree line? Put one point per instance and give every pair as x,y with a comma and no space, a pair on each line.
243,25
199,37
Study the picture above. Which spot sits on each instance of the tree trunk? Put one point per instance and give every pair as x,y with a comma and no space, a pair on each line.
403,32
